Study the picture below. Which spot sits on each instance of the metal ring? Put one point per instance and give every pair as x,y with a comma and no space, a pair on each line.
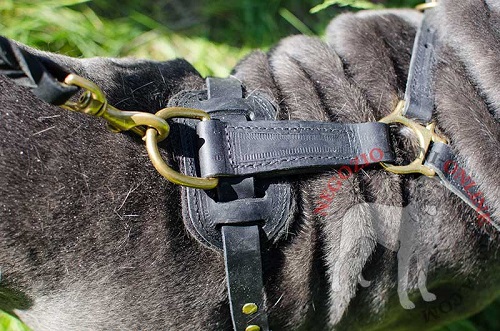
170,174
425,134
92,101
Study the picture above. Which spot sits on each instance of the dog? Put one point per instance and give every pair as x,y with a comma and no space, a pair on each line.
92,238
407,242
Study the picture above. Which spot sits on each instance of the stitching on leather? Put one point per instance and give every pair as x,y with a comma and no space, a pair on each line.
286,129
198,213
281,201
226,132
199,231
187,163
237,166
290,159
234,164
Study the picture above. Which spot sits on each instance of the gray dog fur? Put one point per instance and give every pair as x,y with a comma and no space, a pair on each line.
91,237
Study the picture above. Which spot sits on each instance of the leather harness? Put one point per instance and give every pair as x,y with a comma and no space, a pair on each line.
251,153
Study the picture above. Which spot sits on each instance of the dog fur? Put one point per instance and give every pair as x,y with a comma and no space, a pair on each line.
91,237
416,226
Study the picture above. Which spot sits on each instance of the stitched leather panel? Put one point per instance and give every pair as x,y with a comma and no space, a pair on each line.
248,148
267,201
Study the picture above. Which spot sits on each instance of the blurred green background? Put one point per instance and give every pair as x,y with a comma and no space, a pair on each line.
211,34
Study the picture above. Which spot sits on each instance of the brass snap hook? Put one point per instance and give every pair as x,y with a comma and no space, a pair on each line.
93,102
153,128
425,134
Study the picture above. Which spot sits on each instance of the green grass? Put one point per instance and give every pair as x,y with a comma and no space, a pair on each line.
211,34
73,27
9,323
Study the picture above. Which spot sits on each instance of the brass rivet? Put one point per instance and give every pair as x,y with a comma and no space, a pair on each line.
253,328
249,308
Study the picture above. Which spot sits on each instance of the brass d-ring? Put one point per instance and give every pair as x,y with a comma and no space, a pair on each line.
425,134
170,174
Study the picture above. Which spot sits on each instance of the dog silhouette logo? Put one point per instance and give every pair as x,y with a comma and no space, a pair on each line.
414,222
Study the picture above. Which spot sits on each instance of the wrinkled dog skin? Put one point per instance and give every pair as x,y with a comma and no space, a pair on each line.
91,237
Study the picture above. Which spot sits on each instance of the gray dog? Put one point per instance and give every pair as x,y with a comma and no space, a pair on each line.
415,226
92,238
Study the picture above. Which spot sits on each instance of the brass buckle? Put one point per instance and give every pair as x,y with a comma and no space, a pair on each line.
151,139
425,134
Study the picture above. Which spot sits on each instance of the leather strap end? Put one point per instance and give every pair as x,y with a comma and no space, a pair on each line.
37,73
244,276
456,178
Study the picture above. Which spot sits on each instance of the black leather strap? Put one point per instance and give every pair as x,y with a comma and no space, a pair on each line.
420,106
248,148
237,200
244,276
455,177
242,210
43,76
419,94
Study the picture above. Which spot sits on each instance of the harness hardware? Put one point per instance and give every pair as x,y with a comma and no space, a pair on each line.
241,204
425,135
93,102
153,128
170,174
